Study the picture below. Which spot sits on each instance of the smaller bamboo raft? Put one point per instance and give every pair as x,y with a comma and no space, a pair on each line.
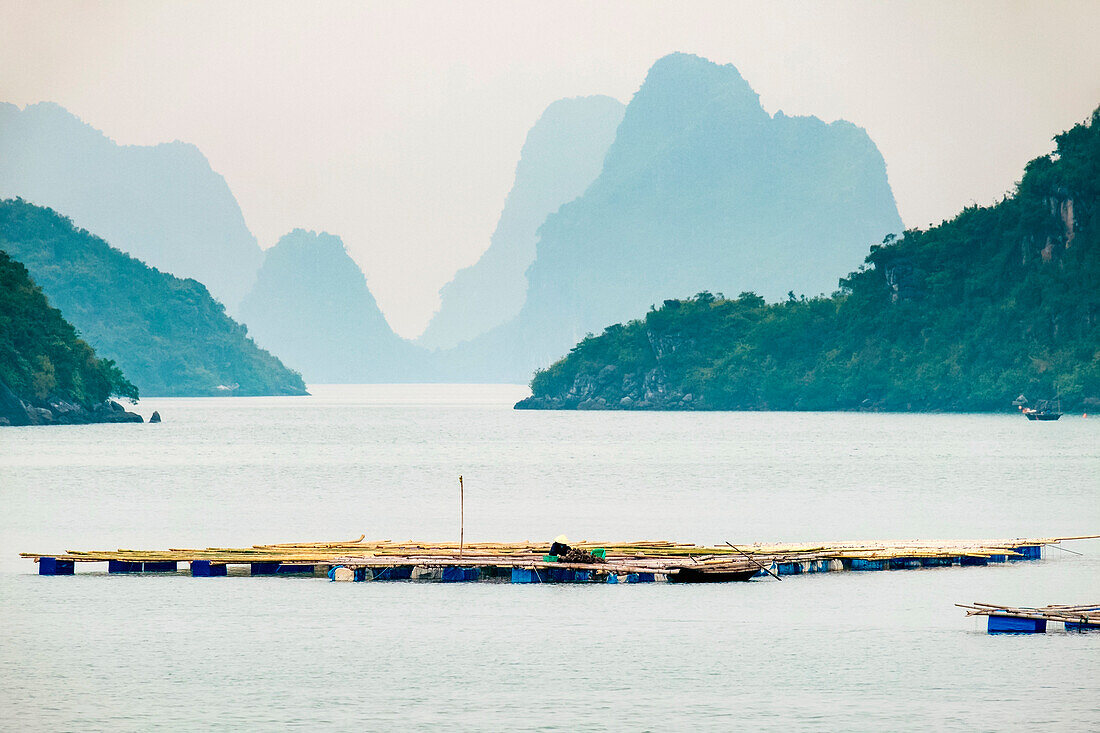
593,561
1028,620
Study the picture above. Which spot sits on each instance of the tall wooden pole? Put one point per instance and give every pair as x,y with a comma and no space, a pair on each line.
461,516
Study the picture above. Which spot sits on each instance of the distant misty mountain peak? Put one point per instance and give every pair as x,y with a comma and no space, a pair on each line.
562,154
321,247
682,92
692,186
311,305
701,189
162,204
704,84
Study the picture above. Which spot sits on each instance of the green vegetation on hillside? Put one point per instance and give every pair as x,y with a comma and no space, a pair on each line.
964,316
166,334
40,354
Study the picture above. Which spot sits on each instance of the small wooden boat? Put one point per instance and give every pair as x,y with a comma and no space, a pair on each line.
698,575
1042,415
1044,410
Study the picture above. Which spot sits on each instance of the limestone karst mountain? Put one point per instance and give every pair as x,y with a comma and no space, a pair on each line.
163,204
311,305
562,155
701,190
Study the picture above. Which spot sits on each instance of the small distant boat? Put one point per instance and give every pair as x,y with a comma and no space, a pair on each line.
1042,414
1043,410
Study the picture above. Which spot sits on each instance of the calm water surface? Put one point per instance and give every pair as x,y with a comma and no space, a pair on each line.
866,651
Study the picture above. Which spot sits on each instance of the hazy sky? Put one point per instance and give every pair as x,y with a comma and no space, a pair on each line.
398,126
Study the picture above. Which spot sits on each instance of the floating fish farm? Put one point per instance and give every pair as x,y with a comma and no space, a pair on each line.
526,562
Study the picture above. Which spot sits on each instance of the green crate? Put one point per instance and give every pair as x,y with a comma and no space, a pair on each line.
600,553
549,558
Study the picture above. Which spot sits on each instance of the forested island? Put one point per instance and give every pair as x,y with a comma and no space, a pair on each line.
47,374
964,316
166,334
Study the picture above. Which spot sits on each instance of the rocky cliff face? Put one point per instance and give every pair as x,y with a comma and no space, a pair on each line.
616,387
701,190
312,306
163,204
562,155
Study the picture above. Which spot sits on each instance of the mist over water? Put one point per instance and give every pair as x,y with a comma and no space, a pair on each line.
865,651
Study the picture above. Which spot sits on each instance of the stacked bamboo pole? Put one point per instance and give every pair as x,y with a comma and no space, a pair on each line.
1087,615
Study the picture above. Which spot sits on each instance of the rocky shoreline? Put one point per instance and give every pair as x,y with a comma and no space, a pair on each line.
611,389
57,411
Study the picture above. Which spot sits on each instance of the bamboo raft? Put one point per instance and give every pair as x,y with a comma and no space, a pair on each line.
639,561
1027,620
